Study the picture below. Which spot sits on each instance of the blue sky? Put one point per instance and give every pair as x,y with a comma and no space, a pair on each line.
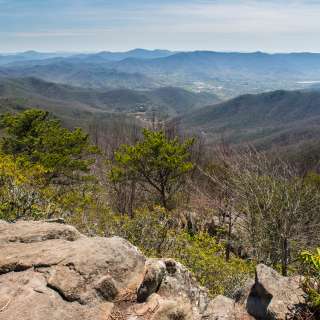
95,25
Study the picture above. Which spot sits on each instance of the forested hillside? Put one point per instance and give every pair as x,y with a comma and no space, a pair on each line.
279,118
165,101
220,212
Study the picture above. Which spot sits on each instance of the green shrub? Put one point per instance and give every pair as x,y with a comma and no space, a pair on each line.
205,257
26,194
20,189
155,232
311,263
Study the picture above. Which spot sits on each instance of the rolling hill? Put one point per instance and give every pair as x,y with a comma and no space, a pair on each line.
166,101
278,118
77,73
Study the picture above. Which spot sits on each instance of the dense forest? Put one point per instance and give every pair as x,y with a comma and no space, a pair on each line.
219,209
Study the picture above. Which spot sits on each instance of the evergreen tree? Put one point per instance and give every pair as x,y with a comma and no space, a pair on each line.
36,137
155,161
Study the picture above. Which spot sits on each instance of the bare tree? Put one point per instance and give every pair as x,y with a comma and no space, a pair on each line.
275,212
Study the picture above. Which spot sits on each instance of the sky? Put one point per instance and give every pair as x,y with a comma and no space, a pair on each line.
119,25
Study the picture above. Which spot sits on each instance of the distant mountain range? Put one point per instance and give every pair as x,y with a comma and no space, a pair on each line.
86,70
279,118
87,75
233,64
223,73
93,57
30,56
188,86
104,56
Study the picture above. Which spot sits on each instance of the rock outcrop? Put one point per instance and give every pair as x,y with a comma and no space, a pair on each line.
51,271
270,295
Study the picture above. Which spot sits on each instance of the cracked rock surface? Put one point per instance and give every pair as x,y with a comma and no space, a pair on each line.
51,271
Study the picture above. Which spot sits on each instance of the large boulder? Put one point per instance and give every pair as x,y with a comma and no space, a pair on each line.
270,295
51,271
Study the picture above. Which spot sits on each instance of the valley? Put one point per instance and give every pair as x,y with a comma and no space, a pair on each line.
274,119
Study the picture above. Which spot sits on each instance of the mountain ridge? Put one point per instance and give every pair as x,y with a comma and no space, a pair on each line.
277,117
165,100
227,74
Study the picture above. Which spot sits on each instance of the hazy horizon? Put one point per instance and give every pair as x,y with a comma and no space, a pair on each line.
153,49
177,25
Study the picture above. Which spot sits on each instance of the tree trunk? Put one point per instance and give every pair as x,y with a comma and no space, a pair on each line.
228,247
284,258
132,197
163,198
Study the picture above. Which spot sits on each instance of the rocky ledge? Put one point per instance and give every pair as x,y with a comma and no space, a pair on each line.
51,271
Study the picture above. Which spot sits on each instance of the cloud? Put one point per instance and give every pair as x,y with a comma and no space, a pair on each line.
189,23
245,16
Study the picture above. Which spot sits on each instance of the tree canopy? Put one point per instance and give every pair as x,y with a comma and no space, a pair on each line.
36,137
156,161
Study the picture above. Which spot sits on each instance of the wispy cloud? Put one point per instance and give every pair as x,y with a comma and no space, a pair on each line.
179,24
247,16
